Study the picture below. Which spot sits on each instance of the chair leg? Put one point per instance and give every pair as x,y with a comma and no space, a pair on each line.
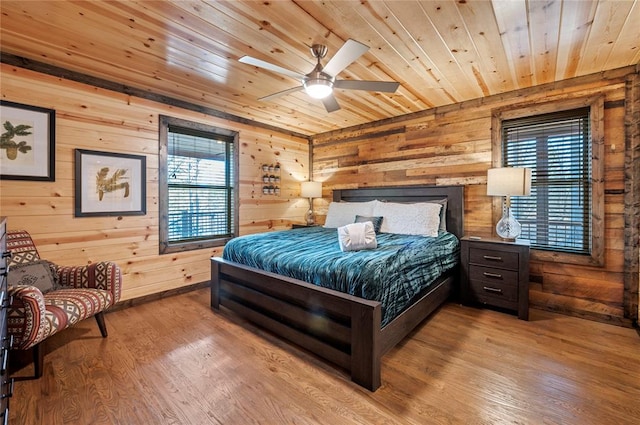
38,349
103,328
38,360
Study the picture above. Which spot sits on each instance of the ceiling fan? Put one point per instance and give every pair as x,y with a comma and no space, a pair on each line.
320,82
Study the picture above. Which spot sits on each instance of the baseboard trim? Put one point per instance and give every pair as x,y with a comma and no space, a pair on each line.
132,302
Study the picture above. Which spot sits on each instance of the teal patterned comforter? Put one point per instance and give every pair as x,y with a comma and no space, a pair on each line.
392,274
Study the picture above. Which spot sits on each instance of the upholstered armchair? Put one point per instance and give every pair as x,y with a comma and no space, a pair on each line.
47,298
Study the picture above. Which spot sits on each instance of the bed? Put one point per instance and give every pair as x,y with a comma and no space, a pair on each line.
343,329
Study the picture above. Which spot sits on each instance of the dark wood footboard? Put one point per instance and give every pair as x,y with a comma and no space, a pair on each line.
340,328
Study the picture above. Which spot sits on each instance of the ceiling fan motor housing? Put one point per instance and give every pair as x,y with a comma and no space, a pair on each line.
318,84
319,51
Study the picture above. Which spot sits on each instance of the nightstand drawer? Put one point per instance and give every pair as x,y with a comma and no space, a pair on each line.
491,274
491,258
500,294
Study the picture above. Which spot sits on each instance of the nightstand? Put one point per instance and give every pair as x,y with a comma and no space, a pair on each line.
495,272
298,226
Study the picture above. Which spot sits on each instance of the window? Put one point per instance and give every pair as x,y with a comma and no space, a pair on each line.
198,188
557,148
563,216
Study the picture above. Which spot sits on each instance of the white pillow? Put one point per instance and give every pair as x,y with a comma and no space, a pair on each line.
357,236
343,213
409,219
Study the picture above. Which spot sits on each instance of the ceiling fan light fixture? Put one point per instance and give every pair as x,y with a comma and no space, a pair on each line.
318,88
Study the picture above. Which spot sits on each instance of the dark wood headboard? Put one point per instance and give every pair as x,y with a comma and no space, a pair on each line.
407,194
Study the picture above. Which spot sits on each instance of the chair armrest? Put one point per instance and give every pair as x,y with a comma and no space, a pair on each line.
26,316
104,275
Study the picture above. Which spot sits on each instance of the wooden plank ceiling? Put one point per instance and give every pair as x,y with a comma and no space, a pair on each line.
441,52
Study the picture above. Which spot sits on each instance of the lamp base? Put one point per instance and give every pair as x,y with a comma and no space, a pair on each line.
508,227
309,218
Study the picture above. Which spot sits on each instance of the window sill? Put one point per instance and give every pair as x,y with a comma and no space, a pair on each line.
565,258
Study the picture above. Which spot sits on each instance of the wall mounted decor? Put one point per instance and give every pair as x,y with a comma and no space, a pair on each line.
271,179
27,142
109,184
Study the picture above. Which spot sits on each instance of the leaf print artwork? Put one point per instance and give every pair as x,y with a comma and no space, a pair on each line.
7,142
111,184
27,142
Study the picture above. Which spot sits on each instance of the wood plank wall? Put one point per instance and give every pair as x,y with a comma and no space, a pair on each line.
632,197
452,145
92,118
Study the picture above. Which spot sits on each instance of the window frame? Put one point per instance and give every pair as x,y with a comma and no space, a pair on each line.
164,123
596,117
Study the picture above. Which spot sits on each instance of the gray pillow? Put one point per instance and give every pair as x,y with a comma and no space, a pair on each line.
37,273
443,213
377,221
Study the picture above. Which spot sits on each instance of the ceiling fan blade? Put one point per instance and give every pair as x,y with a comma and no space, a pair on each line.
281,93
349,52
383,86
271,67
330,103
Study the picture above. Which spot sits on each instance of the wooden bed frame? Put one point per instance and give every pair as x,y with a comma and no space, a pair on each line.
340,328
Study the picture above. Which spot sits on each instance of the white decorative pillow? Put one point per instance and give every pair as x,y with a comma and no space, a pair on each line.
357,236
343,213
409,219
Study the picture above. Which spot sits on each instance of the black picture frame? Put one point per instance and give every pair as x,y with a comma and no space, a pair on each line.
28,142
110,184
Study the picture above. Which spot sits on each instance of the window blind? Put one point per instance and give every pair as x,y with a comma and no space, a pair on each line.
557,148
199,185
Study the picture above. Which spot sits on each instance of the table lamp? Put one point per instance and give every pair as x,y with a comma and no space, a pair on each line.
310,190
508,182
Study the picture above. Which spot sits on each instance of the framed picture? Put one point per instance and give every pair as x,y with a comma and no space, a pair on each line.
110,184
27,142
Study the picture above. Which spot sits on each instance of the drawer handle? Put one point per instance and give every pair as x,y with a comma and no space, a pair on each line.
494,290
10,392
6,254
5,360
9,339
492,258
492,275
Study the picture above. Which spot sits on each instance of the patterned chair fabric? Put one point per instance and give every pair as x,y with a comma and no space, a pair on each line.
33,317
22,248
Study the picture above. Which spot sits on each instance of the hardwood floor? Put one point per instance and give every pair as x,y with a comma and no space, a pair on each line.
174,361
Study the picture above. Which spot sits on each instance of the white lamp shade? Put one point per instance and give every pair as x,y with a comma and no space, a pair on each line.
311,189
509,181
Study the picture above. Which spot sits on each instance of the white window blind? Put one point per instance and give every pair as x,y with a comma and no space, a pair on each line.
557,148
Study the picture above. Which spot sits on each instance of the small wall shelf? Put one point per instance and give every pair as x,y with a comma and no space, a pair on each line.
271,178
